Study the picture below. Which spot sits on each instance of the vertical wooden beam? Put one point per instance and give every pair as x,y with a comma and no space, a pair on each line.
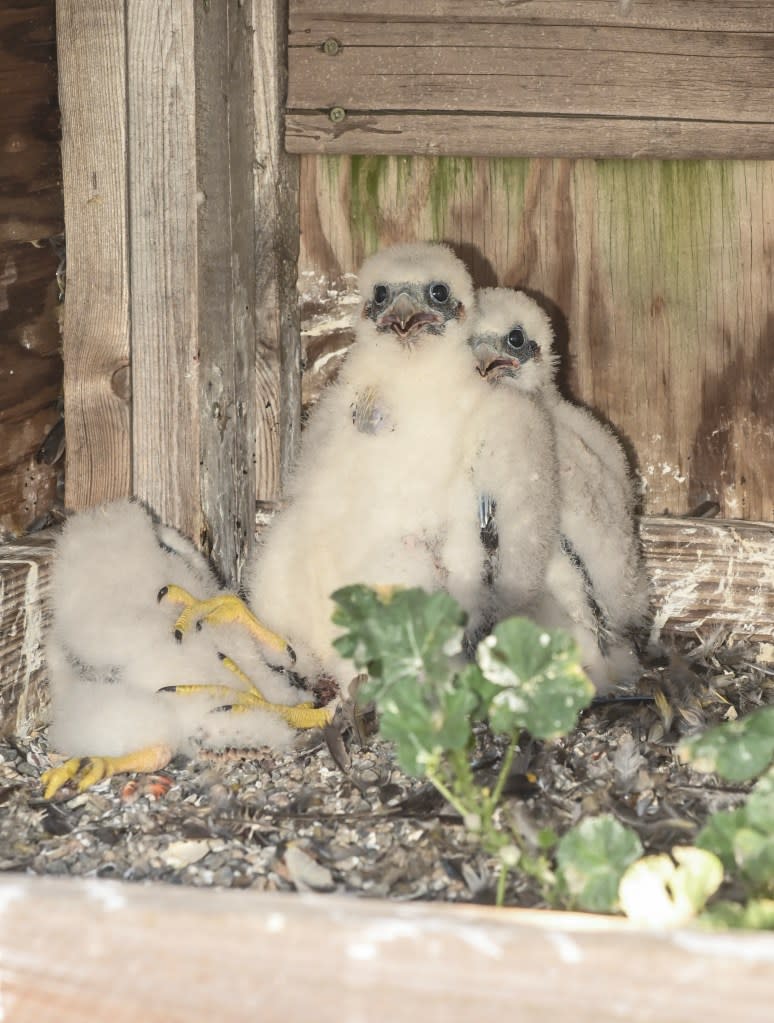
277,243
225,155
164,259
92,94
208,263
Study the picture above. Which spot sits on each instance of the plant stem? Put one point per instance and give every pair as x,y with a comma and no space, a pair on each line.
505,770
447,794
500,897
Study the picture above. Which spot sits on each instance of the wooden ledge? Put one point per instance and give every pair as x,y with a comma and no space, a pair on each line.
24,579
105,950
707,573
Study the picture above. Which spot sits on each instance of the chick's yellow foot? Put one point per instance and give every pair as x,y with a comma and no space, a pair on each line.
87,771
300,715
224,609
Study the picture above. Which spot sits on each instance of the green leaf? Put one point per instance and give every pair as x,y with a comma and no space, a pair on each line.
754,855
664,891
411,635
592,858
759,808
744,838
537,678
472,679
547,839
424,723
717,835
737,750
758,915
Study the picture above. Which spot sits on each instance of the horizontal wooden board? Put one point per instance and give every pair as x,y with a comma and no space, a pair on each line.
708,573
106,950
518,62
729,16
453,134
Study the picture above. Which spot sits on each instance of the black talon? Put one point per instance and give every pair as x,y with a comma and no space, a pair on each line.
179,635
226,708
291,653
162,593
222,656
167,689
292,676
198,626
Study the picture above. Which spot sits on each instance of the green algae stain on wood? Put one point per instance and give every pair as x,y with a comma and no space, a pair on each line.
660,270
365,176
450,176
664,223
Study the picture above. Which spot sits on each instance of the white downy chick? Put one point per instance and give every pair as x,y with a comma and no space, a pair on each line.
111,647
390,461
596,584
371,503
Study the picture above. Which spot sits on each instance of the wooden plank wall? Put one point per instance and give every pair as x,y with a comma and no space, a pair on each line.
533,78
659,276
31,223
182,232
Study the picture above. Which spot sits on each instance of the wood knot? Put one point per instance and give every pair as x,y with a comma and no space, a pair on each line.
121,382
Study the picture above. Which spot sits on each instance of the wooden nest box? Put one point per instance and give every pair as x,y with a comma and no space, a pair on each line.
614,158
221,159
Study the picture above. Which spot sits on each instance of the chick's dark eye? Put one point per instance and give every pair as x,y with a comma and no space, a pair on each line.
439,292
380,294
516,338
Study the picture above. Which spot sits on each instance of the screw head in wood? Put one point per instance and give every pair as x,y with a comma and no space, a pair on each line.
337,114
331,47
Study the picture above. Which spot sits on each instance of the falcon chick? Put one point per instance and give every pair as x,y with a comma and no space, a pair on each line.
117,672
396,449
596,584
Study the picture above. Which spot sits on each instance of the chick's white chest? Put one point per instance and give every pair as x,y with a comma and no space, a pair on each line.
425,401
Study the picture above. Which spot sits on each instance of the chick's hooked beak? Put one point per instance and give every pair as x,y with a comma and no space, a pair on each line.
491,363
406,316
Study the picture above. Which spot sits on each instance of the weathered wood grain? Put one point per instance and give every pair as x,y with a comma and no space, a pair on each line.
293,957
577,69
730,16
163,265
658,276
277,241
31,212
30,380
92,91
513,135
205,259
706,574
525,69
29,488
226,299
30,167
24,580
